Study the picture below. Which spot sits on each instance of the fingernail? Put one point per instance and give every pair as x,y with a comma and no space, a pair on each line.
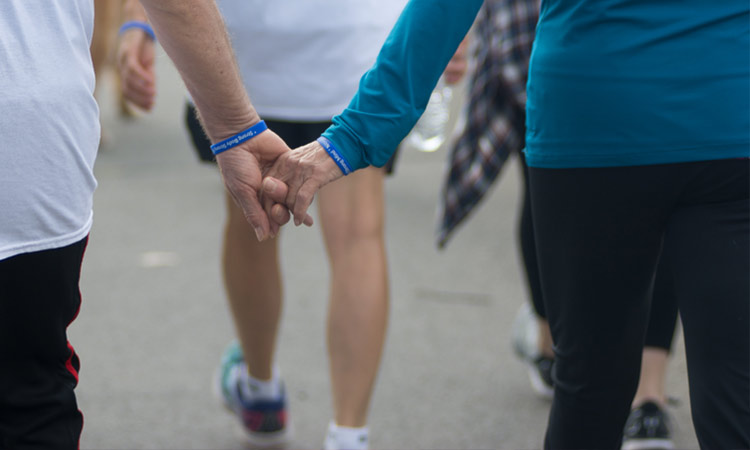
259,234
269,185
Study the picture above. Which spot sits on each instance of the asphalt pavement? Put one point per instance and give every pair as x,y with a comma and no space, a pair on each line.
154,320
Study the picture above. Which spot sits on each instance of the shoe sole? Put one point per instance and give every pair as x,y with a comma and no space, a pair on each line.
539,386
648,444
264,440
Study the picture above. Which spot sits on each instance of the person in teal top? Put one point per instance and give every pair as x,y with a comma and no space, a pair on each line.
638,138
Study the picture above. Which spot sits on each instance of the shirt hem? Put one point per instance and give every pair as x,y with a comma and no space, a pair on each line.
48,244
572,160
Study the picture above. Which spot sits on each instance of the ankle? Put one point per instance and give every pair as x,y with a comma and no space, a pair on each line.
254,388
346,438
660,401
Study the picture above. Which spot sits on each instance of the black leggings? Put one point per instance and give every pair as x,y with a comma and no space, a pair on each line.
599,234
663,315
39,298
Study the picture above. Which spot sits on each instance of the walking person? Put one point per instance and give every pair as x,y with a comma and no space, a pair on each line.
495,130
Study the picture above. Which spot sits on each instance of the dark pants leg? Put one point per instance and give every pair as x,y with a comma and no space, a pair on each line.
708,239
663,314
39,298
528,244
599,235
598,240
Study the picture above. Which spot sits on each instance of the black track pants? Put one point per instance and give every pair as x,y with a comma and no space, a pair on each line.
599,234
39,298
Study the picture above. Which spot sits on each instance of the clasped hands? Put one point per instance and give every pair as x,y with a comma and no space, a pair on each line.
272,183
265,177
268,180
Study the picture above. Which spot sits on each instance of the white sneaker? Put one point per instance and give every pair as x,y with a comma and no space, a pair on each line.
344,438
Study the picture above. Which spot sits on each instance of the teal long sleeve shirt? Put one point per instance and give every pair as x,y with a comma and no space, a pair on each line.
394,92
611,82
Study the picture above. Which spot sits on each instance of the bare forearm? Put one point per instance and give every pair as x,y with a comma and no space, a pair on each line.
133,10
193,35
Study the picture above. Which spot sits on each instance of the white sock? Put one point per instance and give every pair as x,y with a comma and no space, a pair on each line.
255,389
347,438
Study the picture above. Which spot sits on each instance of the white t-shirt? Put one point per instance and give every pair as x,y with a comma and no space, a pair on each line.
301,60
49,124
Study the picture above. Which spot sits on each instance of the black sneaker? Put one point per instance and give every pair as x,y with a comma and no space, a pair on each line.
647,427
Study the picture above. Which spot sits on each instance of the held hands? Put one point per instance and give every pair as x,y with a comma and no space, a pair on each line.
242,169
293,180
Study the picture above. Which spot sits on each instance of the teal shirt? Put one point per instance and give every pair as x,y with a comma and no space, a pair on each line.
634,82
611,82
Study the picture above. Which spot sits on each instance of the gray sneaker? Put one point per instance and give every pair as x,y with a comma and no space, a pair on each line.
525,341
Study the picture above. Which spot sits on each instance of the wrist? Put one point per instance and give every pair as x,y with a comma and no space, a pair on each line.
334,153
239,138
220,124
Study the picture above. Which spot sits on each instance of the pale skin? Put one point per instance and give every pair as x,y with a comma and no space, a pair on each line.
653,374
105,22
351,216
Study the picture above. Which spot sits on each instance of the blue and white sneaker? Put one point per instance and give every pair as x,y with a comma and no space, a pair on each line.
264,421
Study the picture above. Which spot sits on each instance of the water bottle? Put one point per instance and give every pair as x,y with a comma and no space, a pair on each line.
431,130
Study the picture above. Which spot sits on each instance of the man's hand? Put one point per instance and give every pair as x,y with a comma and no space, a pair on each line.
294,179
135,61
242,168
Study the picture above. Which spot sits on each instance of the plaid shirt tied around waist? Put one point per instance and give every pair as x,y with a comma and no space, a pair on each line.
495,122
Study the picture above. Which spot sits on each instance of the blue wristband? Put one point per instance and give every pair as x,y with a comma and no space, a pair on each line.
140,25
334,153
239,138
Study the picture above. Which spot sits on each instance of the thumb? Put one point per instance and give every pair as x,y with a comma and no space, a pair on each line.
275,189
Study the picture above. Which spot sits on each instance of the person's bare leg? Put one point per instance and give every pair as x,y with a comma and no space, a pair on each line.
653,374
545,338
352,217
106,18
253,284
